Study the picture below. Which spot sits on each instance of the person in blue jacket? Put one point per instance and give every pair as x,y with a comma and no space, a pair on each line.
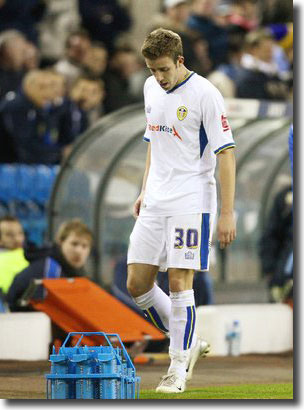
64,258
35,125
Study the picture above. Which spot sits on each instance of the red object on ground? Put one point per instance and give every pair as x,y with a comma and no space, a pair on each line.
142,359
79,305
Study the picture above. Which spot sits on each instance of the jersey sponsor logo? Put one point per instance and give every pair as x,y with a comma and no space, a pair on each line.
225,123
182,112
164,128
176,134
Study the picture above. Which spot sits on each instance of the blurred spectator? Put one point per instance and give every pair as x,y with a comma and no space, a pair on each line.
260,77
202,20
283,49
58,85
96,60
31,126
61,18
65,258
12,258
244,14
31,57
104,20
87,95
12,58
226,74
276,244
124,66
201,51
175,17
22,15
178,12
11,233
78,45
17,56
276,11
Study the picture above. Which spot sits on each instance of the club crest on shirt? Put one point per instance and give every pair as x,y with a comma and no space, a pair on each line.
182,112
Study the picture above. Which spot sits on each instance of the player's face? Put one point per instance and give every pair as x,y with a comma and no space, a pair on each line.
166,72
76,249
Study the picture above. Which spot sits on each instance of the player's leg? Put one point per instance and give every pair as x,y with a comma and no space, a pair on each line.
182,318
181,324
200,347
155,304
144,257
141,278
188,244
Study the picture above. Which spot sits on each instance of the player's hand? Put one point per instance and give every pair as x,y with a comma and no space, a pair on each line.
137,205
226,229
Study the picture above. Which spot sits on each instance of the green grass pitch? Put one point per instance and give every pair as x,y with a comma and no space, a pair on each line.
243,391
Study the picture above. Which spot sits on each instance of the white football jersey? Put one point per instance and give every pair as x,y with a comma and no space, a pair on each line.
186,126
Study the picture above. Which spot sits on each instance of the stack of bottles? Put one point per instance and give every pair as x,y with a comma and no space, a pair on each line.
92,372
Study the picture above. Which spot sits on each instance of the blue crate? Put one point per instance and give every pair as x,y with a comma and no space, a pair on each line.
92,372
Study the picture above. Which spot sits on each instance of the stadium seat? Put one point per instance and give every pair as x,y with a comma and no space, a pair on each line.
45,177
8,183
24,193
37,229
26,182
3,209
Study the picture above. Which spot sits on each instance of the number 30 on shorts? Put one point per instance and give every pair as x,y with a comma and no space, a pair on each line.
191,237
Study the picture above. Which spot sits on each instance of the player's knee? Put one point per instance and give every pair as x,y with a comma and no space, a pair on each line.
180,280
177,285
131,288
134,288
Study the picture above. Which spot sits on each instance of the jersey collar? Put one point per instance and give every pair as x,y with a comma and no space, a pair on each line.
181,83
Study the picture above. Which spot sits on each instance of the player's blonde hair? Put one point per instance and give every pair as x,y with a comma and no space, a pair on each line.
73,226
161,43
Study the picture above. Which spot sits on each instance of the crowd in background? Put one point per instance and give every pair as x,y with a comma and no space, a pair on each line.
66,63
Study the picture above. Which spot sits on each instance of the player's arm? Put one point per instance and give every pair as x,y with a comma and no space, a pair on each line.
226,228
137,205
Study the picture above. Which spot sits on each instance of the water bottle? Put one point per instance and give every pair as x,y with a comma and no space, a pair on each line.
233,338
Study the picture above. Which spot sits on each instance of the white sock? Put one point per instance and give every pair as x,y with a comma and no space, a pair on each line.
156,305
182,324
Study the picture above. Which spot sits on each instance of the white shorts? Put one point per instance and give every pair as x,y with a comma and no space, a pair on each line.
181,241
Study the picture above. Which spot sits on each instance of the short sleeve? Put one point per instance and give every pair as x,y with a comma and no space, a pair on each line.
215,122
146,136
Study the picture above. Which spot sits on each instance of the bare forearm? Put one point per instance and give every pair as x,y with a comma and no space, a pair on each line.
137,205
227,180
146,174
226,228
